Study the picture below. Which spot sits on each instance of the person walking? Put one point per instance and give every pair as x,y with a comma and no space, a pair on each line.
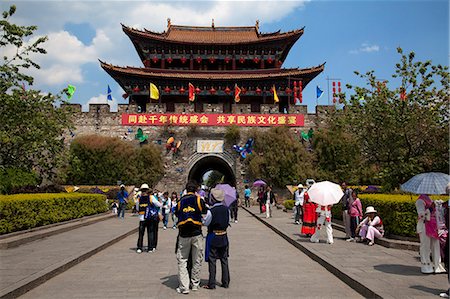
173,202
234,209
345,200
247,194
309,220
165,210
148,218
324,220
269,199
261,199
217,244
299,199
355,212
122,196
189,212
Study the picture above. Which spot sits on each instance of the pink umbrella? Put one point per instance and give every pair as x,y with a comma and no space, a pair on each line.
230,193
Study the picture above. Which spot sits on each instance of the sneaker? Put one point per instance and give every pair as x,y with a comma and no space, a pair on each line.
179,291
165,227
194,288
315,241
371,243
174,227
350,240
139,250
235,221
444,295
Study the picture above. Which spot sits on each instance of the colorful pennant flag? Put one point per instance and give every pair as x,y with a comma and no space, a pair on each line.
109,97
275,96
191,92
70,91
237,93
154,92
319,92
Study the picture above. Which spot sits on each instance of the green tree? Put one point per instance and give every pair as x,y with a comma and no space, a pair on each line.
400,131
31,127
279,158
105,160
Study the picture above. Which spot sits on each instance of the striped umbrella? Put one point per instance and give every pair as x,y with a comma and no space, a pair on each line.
427,183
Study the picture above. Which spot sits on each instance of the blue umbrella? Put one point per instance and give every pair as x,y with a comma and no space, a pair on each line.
427,183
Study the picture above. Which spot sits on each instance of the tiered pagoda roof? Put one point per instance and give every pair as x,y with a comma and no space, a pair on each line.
213,58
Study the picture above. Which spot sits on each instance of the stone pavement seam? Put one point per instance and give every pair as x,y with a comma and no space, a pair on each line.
23,237
354,284
39,278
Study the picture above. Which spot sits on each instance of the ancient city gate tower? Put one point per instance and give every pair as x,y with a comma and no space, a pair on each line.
208,78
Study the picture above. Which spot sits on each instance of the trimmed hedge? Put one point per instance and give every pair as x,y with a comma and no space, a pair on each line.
398,211
25,211
289,204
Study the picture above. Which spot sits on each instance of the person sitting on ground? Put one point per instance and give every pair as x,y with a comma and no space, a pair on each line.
217,240
371,227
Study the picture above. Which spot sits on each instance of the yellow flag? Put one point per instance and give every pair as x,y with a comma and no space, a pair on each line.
275,96
154,92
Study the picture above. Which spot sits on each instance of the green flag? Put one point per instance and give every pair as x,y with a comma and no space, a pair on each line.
70,91
140,136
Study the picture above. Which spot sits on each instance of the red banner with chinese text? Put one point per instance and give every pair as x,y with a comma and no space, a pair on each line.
202,119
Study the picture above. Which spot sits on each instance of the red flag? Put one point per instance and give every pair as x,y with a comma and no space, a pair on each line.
237,93
402,94
191,92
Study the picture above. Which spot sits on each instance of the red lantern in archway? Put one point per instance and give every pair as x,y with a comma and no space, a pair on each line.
227,90
197,90
212,91
227,59
242,59
155,59
258,91
199,59
167,89
182,90
136,89
183,60
169,60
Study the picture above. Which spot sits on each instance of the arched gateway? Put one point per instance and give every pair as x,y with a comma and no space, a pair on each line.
224,163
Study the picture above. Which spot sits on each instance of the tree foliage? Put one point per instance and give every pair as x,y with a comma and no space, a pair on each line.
279,158
31,127
105,160
398,132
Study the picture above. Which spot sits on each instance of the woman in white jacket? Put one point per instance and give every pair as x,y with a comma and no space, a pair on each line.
371,227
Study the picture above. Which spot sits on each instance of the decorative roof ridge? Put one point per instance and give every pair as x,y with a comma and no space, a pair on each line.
171,27
256,71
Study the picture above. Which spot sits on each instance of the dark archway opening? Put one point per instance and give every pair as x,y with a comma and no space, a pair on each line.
212,163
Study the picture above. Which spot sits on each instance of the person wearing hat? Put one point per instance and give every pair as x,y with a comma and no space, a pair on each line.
189,211
371,227
122,196
148,218
135,195
299,198
217,240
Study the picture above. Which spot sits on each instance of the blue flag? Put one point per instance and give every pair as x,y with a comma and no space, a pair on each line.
109,97
318,91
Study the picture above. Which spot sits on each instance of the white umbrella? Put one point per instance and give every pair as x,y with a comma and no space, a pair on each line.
325,193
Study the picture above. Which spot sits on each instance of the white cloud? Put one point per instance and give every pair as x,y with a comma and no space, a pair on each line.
101,99
67,54
365,47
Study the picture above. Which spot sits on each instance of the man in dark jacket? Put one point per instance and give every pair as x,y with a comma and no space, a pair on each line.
345,200
189,212
217,240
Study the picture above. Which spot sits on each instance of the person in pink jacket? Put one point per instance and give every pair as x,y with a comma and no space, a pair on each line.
355,213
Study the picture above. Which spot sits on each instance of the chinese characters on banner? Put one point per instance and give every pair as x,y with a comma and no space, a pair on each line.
247,120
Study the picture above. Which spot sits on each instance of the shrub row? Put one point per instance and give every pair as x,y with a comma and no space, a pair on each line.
25,211
398,211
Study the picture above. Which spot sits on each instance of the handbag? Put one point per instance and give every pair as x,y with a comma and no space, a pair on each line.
263,208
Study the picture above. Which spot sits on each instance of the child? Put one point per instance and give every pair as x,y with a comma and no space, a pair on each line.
114,207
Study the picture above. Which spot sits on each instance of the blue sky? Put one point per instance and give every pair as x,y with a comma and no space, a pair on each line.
347,35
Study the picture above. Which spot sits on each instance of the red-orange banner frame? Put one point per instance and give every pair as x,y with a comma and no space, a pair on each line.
204,119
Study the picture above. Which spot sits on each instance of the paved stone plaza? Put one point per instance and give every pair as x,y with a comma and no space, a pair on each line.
262,265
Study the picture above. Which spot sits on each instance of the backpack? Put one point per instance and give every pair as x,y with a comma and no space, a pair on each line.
151,212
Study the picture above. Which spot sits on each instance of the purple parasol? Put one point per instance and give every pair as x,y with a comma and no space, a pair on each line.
259,183
230,193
